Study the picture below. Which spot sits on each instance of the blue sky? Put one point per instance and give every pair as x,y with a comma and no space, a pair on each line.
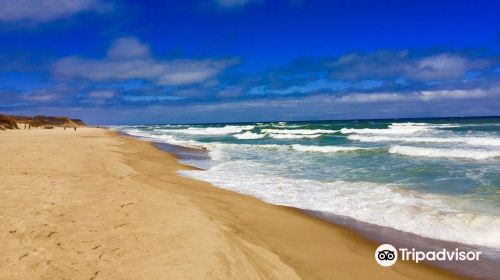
249,60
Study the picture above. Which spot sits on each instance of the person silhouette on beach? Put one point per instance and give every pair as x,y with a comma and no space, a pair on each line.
74,127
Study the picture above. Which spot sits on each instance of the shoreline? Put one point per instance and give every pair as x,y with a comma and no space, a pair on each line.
94,203
486,269
182,153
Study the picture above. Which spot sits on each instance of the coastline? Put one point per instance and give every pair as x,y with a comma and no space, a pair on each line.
486,269
97,204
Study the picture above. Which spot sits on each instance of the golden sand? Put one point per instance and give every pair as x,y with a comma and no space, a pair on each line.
92,204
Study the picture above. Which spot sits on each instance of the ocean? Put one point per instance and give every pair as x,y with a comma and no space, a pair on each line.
433,178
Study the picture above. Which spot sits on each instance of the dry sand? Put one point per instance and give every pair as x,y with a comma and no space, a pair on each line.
92,204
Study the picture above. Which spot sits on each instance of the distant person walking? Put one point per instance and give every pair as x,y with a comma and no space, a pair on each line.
74,127
24,126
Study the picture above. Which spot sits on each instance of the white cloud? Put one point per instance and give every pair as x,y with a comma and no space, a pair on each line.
385,64
265,109
128,47
419,96
129,59
45,10
41,97
378,64
317,85
231,92
190,71
443,66
457,94
101,94
371,97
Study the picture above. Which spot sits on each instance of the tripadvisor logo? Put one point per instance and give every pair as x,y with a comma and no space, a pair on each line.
387,255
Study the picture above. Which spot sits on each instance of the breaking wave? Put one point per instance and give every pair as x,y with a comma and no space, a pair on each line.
385,205
228,129
249,135
444,153
298,131
397,129
325,149
474,141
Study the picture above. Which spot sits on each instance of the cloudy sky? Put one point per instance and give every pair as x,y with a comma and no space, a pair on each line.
114,62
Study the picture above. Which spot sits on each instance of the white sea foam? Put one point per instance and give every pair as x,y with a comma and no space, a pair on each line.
325,149
243,147
474,141
228,129
446,153
385,205
249,135
427,125
293,136
164,126
148,135
397,129
162,138
218,155
298,131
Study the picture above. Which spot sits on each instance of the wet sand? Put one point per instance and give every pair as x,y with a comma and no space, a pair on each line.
488,267
92,204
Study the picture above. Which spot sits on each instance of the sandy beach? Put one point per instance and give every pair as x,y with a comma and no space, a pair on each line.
93,204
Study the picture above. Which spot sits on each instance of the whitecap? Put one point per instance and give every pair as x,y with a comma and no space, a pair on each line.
397,129
298,131
445,153
294,136
473,141
325,149
228,129
249,135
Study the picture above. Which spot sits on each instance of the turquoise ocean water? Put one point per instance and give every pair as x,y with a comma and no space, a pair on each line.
436,178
